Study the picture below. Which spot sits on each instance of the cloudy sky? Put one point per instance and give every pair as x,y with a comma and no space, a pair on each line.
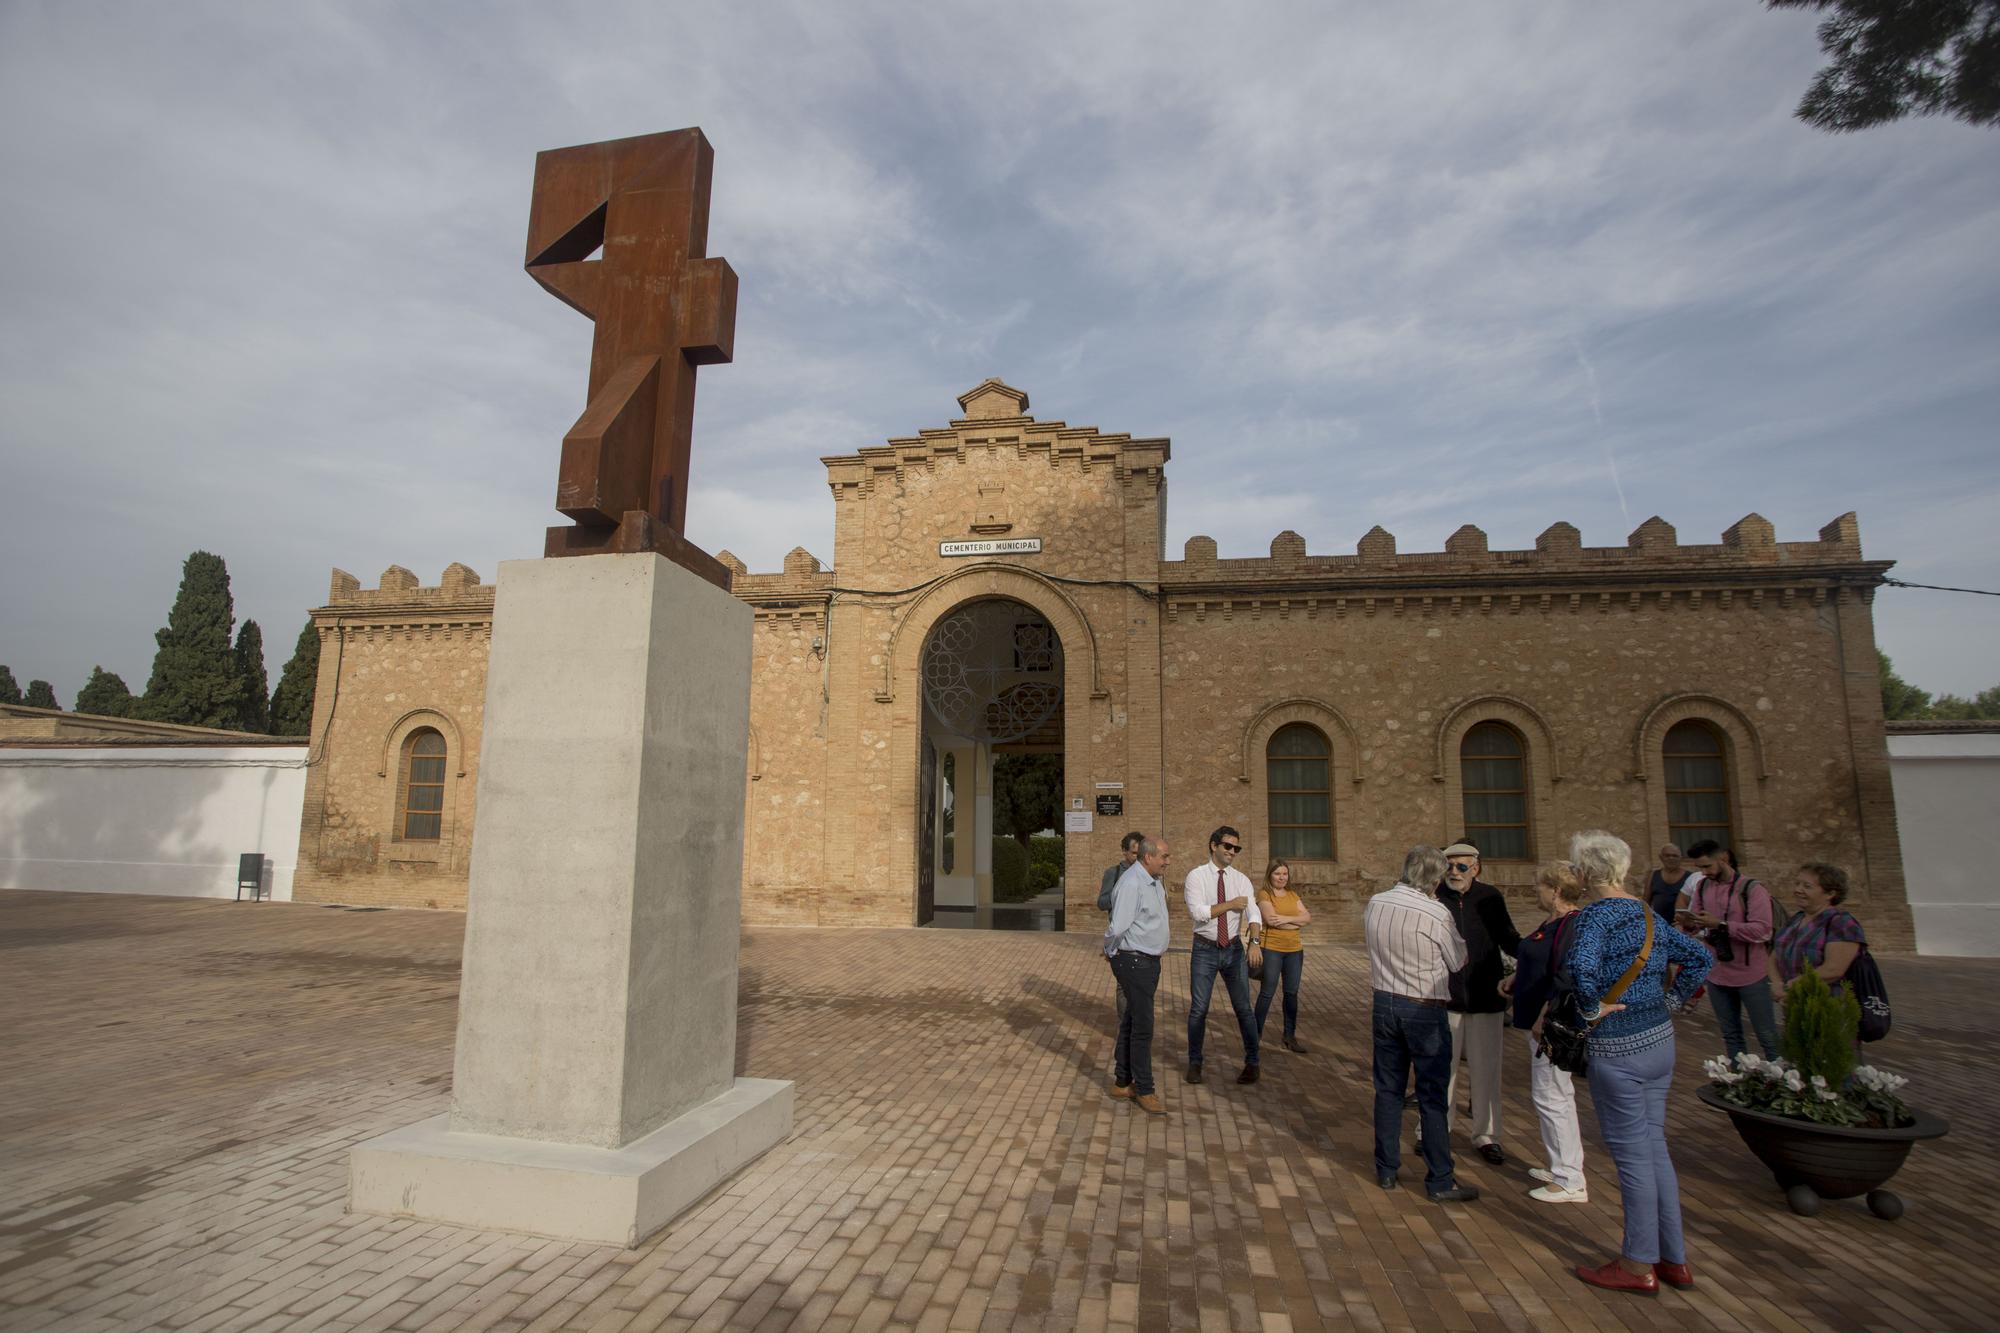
1417,265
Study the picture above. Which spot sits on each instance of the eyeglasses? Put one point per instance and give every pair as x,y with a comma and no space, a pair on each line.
1231,847
1459,865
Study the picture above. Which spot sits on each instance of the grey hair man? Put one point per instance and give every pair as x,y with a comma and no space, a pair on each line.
1128,852
1413,948
1134,941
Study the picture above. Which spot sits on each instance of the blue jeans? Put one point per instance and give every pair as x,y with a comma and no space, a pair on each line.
1203,964
1408,1033
1731,1001
1288,968
1630,1092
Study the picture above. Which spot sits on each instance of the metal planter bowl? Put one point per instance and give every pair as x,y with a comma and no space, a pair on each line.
1814,1162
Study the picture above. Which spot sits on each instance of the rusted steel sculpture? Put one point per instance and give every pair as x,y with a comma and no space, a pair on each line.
662,309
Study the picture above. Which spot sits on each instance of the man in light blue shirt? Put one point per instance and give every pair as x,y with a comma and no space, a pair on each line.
1134,942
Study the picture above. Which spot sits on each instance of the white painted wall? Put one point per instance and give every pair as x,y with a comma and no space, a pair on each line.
1947,799
149,819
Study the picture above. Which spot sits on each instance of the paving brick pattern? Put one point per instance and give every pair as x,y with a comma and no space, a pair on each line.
182,1080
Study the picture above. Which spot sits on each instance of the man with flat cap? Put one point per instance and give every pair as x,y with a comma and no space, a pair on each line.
1477,1011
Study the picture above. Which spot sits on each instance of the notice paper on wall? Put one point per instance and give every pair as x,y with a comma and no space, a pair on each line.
1076,821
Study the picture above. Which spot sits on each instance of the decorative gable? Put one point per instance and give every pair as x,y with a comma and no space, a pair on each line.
991,400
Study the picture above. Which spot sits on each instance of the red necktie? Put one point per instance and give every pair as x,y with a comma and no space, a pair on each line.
1221,922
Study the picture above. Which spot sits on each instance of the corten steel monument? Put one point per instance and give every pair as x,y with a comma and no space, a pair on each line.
594,1090
662,308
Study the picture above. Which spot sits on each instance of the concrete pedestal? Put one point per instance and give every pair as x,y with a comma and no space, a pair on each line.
594,1093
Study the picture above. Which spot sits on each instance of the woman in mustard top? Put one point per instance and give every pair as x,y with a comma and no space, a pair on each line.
1284,952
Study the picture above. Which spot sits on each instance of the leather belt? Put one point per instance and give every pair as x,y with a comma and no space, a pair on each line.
1413,999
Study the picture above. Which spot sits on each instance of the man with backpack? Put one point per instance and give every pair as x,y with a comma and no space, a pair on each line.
1732,914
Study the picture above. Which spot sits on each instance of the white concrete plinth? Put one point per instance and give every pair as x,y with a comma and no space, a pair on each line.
607,1196
594,1092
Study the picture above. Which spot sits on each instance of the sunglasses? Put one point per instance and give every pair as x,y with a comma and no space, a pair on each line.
1459,865
1230,846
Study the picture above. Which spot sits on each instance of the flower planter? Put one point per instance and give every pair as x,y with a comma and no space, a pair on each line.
1814,1161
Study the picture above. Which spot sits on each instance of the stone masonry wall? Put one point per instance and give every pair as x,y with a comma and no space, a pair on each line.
1589,654
393,659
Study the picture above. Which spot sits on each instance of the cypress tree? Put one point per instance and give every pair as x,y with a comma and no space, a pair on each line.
292,701
105,695
41,695
10,693
254,712
195,677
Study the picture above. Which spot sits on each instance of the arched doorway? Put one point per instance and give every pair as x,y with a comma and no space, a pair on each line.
989,840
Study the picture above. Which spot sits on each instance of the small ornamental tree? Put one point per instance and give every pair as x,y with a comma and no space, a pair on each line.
10,693
1820,1027
105,695
196,681
292,701
254,711
41,695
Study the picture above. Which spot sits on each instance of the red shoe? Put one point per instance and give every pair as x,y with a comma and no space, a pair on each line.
1678,1276
1613,1277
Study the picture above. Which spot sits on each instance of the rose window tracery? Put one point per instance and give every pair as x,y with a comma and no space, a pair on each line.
992,671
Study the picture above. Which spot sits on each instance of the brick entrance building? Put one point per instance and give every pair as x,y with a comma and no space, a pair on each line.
1002,583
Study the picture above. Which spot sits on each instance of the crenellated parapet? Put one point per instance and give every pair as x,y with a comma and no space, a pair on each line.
399,587
801,590
457,604
1653,564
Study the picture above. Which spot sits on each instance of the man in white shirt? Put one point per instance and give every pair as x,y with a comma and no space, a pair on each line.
1413,948
1222,902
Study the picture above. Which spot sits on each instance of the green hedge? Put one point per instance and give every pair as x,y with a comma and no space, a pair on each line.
1010,872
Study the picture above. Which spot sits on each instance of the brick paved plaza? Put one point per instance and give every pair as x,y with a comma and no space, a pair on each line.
183,1079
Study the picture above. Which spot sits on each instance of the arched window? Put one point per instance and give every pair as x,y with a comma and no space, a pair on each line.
1295,765
423,786
1493,773
1697,784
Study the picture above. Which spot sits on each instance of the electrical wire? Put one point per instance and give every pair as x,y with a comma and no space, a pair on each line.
1939,587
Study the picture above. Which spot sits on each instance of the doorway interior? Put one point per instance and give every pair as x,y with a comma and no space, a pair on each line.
990,848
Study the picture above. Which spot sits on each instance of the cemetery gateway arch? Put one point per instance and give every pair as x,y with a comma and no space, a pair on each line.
991,683
1333,705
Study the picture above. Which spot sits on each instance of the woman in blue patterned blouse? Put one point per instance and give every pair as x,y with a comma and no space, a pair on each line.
1632,1057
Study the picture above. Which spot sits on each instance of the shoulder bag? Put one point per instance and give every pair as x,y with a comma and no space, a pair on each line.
1565,1031
1865,980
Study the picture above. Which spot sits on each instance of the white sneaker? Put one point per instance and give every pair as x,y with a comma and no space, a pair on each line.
1555,1194
1536,1173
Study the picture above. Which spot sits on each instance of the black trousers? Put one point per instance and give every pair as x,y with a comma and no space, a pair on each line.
1138,979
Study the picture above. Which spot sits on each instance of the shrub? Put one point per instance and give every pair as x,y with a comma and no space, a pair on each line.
1820,1027
1010,871
1041,878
